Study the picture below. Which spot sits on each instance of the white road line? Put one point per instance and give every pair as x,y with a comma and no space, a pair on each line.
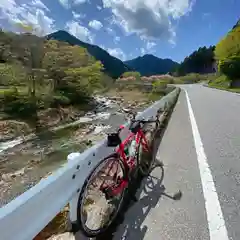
216,223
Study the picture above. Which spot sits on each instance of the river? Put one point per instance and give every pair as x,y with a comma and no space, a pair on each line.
23,162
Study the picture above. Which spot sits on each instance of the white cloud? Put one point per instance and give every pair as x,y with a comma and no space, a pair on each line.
117,39
103,47
172,42
143,51
117,52
99,7
64,3
95,24
68,3
79,1
79,31
32,14
110,31
40,4
78,15
150,19
150,45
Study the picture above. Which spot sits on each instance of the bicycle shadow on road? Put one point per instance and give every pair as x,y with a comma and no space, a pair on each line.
135,221
131,223
133,226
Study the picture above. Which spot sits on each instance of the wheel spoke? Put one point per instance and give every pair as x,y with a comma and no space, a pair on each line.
95,211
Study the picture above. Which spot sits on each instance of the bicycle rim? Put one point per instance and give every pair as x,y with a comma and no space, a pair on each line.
92,201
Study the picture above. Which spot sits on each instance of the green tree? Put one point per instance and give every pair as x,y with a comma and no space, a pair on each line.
159,86
30,62
30,51
137,75
227,54
72,70
12,74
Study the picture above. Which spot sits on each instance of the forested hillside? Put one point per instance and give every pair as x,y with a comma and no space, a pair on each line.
112,66
227,54
200,61
37,74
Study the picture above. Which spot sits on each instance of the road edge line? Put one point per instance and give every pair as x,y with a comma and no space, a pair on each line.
216,223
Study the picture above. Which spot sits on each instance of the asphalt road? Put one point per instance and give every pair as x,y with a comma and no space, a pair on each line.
201,155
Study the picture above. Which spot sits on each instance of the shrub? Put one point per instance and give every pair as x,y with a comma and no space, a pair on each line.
159,86
10,94
167,80
23,107
135,75
191,78
61,100
18,105
178,81
222,81
230,67
227,54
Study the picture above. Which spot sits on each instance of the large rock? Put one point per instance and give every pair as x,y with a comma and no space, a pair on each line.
63,236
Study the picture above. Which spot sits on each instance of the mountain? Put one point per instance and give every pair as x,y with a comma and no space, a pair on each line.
113,66
149,65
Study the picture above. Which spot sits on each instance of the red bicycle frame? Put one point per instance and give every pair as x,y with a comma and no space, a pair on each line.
128,161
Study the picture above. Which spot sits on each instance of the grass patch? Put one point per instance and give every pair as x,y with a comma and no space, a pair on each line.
235,90
154,96
222,82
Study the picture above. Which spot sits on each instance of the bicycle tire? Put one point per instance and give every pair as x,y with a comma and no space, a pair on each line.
145,166
82,227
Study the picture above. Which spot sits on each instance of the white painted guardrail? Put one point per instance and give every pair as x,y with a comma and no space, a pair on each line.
24,217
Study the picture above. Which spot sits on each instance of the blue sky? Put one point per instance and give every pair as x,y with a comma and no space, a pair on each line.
129,28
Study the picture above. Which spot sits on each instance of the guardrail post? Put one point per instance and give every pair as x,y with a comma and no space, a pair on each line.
74,201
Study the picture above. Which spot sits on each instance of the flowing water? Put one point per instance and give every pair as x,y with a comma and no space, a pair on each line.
23,163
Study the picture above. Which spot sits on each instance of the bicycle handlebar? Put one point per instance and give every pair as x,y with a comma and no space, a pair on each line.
143,121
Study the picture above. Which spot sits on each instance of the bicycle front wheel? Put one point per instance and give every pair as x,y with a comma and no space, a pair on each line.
95,211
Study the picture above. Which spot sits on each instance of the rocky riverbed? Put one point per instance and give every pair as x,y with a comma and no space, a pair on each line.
24,161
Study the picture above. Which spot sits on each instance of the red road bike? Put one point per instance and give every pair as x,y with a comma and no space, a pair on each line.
111,177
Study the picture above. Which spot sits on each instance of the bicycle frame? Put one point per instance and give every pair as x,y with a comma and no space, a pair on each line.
128,161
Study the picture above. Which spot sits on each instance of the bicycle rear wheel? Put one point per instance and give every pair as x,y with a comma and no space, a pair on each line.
95,212
146,159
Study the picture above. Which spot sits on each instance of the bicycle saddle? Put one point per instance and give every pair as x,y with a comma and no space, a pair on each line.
135,126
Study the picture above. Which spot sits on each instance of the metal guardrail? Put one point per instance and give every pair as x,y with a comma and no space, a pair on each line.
24,217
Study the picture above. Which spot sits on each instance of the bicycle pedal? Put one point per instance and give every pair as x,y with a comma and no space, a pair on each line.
158,164
177,195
